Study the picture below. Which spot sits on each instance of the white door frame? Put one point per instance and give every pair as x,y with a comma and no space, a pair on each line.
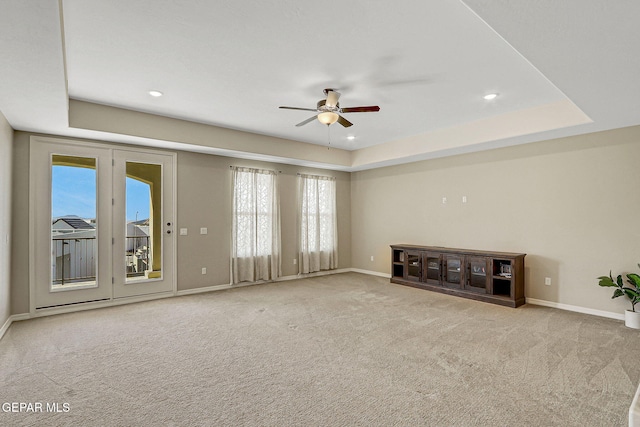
33,175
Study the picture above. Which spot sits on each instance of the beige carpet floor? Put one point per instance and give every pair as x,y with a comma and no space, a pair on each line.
341,350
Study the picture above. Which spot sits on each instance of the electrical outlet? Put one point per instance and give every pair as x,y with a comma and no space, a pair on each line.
444,200
295,261
204,270
183,231
203,230
371,257
547,281
464,199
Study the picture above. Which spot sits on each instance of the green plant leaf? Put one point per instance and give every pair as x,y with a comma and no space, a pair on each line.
631,293
634,280
606,281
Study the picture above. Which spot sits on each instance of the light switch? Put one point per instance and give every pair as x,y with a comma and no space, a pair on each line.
203,230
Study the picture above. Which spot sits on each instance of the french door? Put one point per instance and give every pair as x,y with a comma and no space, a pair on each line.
101,223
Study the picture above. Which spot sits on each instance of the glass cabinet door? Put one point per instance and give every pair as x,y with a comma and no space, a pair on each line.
477,277
432,268
453,273
413,266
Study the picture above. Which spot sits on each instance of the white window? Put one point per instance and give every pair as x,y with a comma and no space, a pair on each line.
318,223
256,226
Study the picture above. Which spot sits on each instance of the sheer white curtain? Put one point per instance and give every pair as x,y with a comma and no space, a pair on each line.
318,223
255,252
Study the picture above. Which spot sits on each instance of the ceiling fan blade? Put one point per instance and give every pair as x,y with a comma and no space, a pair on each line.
360,109
332,98
310,119
344,122
299,108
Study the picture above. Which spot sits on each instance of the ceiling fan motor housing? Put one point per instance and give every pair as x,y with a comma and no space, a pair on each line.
322,107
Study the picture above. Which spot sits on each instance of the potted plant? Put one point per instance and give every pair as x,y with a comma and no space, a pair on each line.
632,291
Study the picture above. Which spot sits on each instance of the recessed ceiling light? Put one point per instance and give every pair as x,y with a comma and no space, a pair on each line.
490,96
351,137
155,93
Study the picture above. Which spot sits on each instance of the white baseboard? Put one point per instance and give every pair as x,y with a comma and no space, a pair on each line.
18,317
85,306
10,320
578,309
6,325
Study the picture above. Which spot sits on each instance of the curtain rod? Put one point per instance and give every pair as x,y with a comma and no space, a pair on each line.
318,176
231,167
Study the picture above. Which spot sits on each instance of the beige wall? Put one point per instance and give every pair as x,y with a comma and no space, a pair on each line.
571,204
6,147
20,238
204,200
86,115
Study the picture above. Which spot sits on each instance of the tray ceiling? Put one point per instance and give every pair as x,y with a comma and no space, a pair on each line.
232,64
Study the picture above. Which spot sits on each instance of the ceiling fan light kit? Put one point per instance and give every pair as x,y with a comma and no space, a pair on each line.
329,110
328,118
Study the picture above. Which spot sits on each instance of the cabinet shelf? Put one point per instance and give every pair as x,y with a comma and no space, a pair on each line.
495,277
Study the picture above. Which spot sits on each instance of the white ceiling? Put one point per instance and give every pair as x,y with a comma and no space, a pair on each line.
427,64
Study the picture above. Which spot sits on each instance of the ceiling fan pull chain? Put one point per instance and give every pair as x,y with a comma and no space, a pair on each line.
329,136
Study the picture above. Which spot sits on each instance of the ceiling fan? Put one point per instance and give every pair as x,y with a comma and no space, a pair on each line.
328,110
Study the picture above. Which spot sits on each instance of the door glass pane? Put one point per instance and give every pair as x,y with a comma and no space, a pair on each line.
73,222
143,211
